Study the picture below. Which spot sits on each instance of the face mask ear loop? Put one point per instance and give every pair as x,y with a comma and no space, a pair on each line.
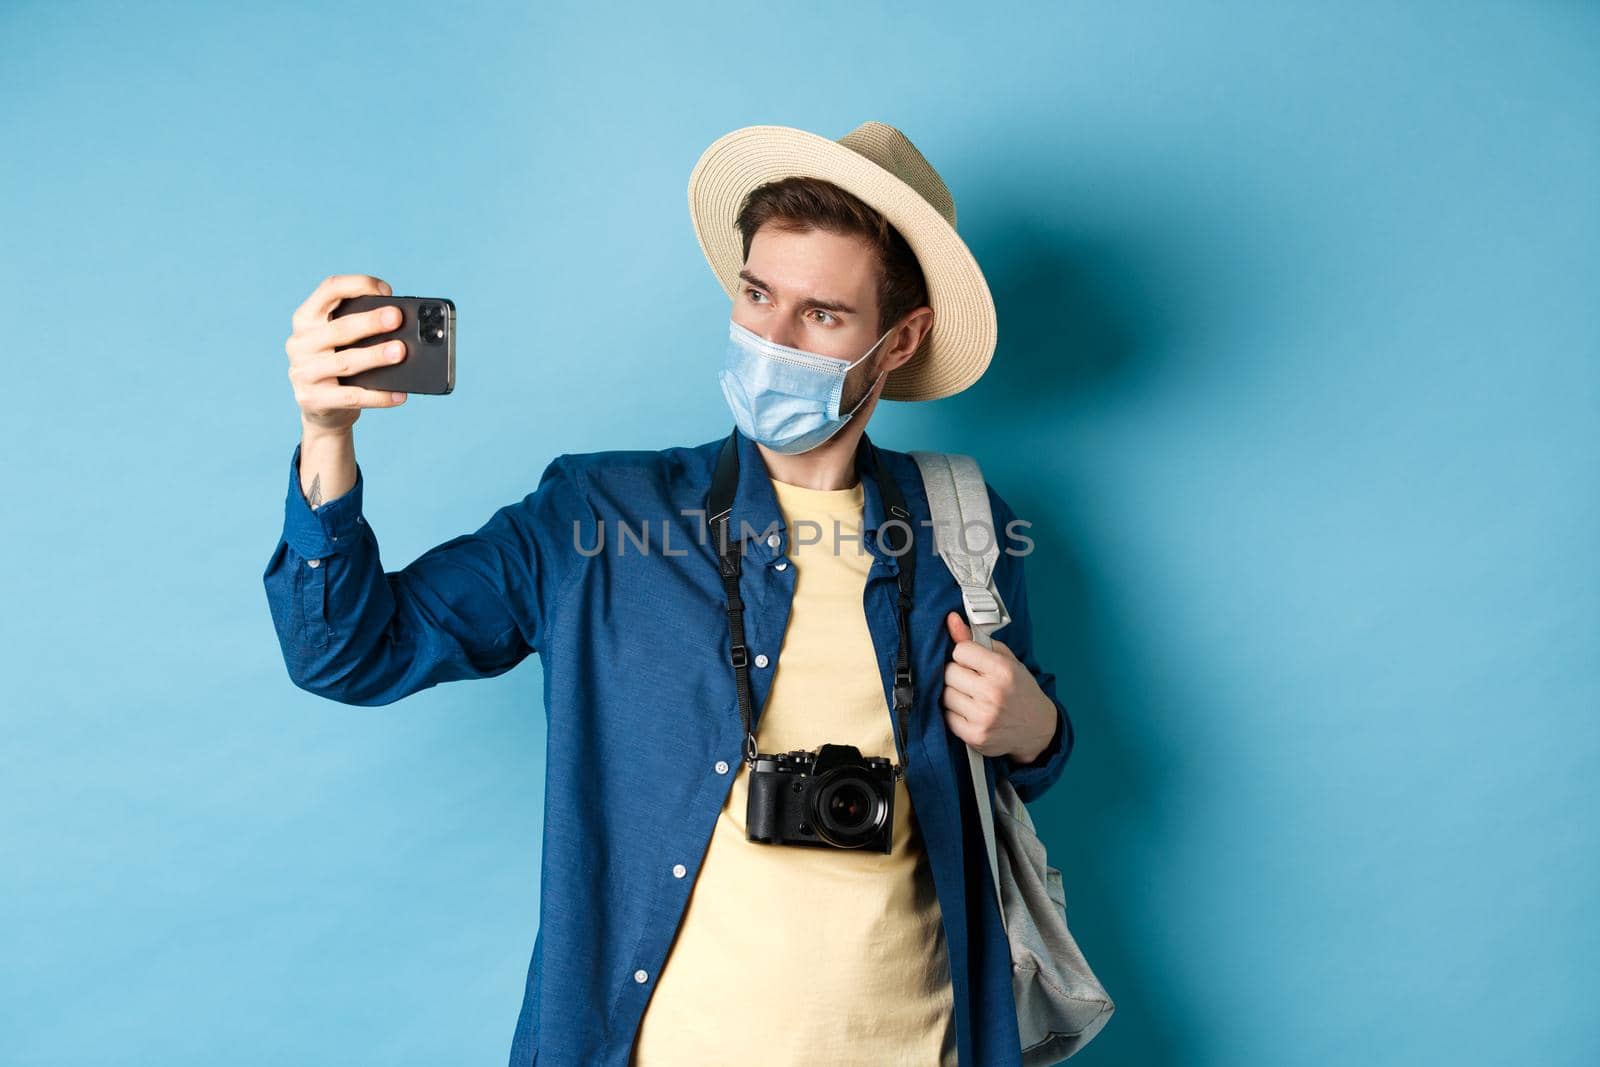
869,351
864,396
868,393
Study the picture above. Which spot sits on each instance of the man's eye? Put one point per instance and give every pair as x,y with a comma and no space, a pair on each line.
825,314
752,294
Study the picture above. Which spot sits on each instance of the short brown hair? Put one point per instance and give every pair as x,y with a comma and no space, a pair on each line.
799,204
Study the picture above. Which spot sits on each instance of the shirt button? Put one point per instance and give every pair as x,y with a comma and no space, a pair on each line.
783,565
679,870
313,563
761,660
722,766
772,540
640,977
359,519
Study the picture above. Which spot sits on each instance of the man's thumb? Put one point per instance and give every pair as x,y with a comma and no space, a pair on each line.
958,627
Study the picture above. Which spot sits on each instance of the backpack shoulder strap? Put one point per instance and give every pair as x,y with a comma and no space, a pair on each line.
965,538
964,535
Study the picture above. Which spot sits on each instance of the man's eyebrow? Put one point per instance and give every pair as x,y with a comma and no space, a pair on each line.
827,305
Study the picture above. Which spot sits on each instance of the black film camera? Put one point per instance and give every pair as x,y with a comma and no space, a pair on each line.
832,798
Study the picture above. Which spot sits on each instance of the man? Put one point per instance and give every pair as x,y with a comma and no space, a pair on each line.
668,935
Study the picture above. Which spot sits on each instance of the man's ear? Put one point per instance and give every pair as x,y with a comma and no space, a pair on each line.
913,329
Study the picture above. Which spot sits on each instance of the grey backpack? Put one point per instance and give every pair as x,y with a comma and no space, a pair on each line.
1061,1006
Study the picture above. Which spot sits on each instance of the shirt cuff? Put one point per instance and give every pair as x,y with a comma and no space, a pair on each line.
323,531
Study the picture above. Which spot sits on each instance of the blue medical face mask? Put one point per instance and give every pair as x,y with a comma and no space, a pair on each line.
785,398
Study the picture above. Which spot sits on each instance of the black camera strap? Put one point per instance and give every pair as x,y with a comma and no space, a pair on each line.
723,485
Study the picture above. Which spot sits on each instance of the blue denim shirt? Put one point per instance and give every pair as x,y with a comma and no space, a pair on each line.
644,733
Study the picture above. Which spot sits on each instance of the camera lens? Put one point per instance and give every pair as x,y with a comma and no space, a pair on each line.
849,806
848,811
428,312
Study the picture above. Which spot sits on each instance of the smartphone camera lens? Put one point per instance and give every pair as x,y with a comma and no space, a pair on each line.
430,323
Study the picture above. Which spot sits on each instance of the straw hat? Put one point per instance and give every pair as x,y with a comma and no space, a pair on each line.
877,163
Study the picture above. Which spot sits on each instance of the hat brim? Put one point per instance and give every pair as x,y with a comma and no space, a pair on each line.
958,348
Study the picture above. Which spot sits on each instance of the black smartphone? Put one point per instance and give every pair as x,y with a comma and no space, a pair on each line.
428,329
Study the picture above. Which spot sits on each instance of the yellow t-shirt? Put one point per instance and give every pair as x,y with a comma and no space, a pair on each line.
789,954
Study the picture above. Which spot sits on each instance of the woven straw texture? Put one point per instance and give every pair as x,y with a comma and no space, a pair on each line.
877,163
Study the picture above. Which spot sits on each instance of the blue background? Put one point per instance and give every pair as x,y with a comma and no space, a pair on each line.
1297,380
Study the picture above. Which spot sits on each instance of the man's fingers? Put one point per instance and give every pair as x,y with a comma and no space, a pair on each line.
344,397
961,704
330,366
967,681
348,329
334,288
971,654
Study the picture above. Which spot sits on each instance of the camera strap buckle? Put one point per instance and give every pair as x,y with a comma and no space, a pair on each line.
904,695
741,657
